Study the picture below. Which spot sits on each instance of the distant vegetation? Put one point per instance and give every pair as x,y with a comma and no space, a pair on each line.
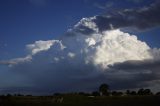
103,97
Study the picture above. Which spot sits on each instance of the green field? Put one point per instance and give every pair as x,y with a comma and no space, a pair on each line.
80,100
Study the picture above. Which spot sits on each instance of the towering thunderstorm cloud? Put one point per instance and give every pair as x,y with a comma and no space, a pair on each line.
140,19
95,51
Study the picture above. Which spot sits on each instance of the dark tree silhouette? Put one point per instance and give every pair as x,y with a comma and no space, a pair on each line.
144,92
104,89
128,92
140,91
133,93
95,93
158,94
8,95
115,93
147,92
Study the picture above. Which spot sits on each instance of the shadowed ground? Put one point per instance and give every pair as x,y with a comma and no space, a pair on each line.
79,100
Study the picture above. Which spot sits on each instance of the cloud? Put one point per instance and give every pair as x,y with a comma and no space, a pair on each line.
71,55
104,6
136,74
117,46
127,18
95,51
37,47
114,57
17,61
40,46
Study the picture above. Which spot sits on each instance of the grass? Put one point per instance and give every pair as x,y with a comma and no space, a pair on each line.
80,100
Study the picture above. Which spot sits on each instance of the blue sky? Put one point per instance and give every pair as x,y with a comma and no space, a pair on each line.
23,22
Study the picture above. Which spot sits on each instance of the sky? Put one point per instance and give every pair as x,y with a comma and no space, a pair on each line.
75,45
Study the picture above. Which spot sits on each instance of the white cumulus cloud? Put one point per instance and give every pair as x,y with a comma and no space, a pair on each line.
71,55
117,46
39,46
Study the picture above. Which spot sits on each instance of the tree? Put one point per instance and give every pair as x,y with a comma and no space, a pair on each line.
147,92
95,93
133,93
140,91
115,93
158,94
104,89
128,92
144,92
8,95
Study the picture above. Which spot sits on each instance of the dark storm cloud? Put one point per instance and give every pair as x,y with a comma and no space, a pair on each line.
134,74
82,77
136,65
140,19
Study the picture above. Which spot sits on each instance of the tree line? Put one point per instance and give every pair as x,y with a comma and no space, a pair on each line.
103,90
